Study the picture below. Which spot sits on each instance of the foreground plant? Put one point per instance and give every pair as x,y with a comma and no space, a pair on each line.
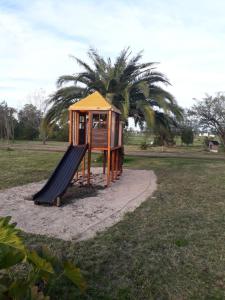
26,274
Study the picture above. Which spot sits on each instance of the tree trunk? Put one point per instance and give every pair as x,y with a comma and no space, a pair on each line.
222,138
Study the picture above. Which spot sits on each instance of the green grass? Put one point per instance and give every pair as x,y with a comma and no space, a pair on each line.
134,142
171,149
132,138
171,247
20,167
32,143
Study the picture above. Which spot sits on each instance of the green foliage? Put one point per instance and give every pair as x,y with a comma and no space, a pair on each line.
99,158
12,250
144,145
74,275
42,269
187,135
164,130
29,120
164,137
210,114
136,88
181,243
7,121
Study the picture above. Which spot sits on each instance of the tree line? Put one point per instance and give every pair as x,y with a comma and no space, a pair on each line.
28,123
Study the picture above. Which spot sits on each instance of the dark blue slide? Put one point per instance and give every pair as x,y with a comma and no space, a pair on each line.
62,176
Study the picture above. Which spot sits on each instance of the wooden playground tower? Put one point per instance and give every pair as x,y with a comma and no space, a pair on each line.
96,122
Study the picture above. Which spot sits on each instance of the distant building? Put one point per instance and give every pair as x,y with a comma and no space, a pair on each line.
213,146
207,134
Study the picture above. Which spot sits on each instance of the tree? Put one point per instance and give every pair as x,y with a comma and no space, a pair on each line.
7,121
134,87
29,120
39,99
164,129
187,135
210,112
190,121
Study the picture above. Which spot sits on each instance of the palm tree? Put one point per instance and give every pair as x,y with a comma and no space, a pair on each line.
135,88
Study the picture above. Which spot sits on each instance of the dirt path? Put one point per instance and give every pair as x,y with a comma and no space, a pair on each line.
80,218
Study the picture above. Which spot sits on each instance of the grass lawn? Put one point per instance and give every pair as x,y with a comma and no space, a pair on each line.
171,247
18,167
171,149
134,145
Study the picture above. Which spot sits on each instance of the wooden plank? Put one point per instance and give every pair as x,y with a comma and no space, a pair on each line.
99,137
99,149
115,148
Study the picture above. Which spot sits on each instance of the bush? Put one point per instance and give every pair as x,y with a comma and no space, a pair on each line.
39,270
187,135
99,158
144,145
164,140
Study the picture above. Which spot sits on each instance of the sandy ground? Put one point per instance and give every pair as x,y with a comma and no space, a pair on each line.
79,218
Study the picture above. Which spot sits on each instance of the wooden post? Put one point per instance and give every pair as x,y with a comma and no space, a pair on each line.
89,145
77,127
70,127
109,146
117,162
113,164
121,162
83,167
104,161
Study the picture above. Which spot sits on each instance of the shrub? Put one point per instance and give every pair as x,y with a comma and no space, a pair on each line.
144,145
187,135
99,158
40,270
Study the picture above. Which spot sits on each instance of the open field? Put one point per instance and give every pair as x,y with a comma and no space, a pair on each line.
193,151
171,247
136,138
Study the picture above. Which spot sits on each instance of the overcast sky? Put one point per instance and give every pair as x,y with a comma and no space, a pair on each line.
36,38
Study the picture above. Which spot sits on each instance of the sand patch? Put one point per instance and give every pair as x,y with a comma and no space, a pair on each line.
80,218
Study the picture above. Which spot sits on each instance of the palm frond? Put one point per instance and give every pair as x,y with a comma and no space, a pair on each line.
83,64
65,79
133,86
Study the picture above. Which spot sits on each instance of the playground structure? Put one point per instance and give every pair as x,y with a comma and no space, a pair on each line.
95,122
94,126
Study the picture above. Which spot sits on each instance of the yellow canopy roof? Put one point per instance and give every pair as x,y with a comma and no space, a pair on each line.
94,101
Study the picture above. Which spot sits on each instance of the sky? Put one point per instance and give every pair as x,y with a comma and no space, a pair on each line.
37,39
